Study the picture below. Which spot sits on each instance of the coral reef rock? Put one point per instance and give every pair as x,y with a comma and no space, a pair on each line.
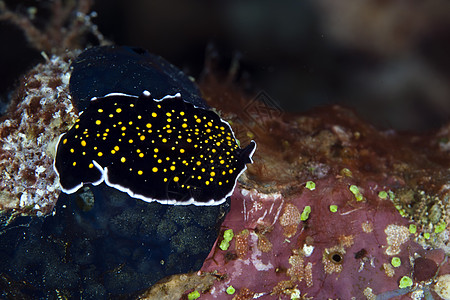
325,210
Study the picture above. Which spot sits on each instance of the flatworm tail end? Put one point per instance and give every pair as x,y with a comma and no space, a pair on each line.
247,153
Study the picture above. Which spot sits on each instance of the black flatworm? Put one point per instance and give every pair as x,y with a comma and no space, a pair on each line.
166,150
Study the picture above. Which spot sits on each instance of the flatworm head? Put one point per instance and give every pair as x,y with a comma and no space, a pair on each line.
167,150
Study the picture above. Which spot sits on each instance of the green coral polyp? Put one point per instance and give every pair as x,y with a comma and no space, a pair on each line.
382,195
355,191
333,208
230,290
346,172
193,295
440,227
391,195
405,282
396,262
305,214
310,185
227,237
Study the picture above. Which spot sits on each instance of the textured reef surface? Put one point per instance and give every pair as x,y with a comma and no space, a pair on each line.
332,208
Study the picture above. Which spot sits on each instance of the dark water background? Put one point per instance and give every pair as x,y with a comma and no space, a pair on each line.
388,60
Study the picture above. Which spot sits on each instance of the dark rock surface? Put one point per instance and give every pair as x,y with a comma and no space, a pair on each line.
104,245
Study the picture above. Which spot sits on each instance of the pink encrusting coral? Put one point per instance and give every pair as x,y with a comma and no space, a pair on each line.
340,254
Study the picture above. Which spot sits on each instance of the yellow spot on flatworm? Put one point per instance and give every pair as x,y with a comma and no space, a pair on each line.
172,168
184,125
123,159
74,163
98,122
111,115
141,154
156,150
181,150
64,141
149,125
83,143
100,154
116,148
154,115
119,110
130,141
155,169
142,137
140,172
176,179
72,151
91,165
164,140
